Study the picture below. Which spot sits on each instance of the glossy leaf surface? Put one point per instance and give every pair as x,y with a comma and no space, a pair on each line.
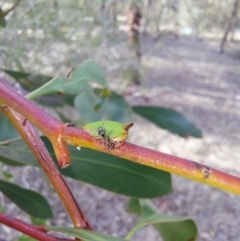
114,108
100,169
17,153
28,81
29,201
26,238
7,129
89,71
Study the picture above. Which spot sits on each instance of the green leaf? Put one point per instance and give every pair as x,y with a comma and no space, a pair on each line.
84,235
117,175
116,131
7,175
168,119
171,228
115,108
89,71
29,201
29,81
7,129
102,170
133,206
26,238
2,209
103,97
65,117
17,153
38,221
10,162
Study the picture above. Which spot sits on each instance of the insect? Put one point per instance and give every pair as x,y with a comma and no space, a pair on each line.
102,132
108,142
112,133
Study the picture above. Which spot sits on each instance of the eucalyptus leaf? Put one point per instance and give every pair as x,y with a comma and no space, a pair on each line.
114,108
29,201
7,175
84,235
17,153
168,119
38,221
171,228
26,238
29,81
118,175
100,169
88,72
7,129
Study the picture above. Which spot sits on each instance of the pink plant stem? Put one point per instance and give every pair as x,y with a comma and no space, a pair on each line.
27,109
176,165
27,229
144,156
50,127
40,152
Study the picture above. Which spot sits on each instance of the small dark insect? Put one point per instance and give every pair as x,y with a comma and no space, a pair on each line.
108,142
102,132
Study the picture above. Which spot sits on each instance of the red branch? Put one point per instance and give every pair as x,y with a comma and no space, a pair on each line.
180,166
145,156
28,133
51,127
28,229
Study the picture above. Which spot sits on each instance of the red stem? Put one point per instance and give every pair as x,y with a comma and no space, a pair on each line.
27,109
50,127
28,229
158,160
172,164
40,152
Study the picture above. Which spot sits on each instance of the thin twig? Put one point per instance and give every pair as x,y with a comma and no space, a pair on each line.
28,229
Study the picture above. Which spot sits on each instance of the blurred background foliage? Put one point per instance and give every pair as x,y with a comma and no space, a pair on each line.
40,39
50,37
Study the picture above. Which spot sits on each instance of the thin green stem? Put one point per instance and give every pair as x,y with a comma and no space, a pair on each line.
133,231
7,142
37,93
